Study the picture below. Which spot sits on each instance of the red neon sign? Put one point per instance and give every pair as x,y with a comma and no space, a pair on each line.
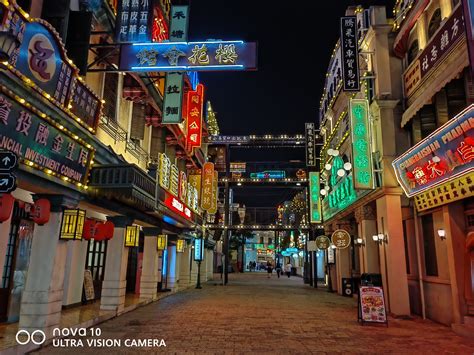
159,32
194,113
177,206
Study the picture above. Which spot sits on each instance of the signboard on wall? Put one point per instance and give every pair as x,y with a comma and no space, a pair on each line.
314,200
134,20
362,166
443,156
310,144
85,104
350,54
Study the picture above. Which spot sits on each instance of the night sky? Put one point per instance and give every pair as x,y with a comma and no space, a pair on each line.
294,47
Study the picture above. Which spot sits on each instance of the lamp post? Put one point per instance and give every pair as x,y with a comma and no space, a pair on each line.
198,256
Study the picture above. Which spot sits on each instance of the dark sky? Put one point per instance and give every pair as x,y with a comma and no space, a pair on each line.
294,47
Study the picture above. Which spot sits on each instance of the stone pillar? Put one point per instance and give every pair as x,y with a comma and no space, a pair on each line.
74,272
43,295
114,284
343,258
392,251
172,268
149,278
367,227
184,272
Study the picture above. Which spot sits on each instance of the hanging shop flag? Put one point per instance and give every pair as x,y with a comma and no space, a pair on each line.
194,118
323,242
195,181
174,180
314,200
215,190
310,144
134,20
183,187
341,238
198,249
179,23
172,109
361,147
372,304
207,181
350,54
446,154
165,169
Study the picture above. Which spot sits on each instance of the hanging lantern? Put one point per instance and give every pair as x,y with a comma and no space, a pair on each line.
90,229
72,224
132,235
108,230
7,202
100,232
180,244
162,242
41,211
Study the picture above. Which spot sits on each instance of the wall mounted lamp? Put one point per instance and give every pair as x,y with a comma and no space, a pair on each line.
442,234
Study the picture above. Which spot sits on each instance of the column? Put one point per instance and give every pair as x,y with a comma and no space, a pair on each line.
149,278
172,267
343,258
210,264
367,227
74,272
194,270
392,251
114,284
184,271
43,295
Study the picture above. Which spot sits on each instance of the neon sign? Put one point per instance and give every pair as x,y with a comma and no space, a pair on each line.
314,202
361,153
270,174
178,207
444,155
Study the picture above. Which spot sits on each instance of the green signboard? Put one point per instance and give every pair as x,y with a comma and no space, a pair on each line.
361,152
314,201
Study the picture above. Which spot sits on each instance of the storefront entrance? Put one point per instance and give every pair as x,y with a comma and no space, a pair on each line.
95,262
15,269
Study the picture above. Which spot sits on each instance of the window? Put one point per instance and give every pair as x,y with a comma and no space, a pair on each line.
110,95
427,120
137,130
435,22
95,262
456,96
413,51
431,265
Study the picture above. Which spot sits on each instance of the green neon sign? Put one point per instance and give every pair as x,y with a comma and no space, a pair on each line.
315,202
362,166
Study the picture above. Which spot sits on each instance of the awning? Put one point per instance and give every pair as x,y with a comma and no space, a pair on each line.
448,70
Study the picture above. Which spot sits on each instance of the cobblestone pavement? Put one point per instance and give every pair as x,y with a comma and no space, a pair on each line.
254,314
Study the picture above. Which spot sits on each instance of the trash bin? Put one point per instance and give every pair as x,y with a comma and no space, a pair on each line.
368,279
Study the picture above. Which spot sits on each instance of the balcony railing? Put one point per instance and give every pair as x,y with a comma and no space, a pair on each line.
126,183
113,129
137,151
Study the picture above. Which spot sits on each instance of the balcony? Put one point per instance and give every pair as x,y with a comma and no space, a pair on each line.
125,183
137,151
113,129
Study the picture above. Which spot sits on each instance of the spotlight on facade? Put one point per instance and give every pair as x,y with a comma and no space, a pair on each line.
347,166
360,241
341,172
442,234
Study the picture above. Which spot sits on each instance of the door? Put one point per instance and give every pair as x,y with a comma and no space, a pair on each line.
95,262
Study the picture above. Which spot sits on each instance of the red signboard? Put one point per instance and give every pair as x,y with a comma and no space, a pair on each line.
178,207
194,109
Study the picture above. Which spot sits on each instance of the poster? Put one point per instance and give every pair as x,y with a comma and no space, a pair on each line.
372,304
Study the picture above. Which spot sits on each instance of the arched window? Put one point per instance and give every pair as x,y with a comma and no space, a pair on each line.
434,23
413,51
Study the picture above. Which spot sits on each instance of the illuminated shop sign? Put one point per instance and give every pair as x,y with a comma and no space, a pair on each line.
314,201
270,174
207,186
198,249
177,206
194,118
193,56
42,143
165,169
444,155
361,152
310,144
350,53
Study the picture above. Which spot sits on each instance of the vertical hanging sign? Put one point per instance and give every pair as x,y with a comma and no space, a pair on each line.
310,151
174,180
314,201
183,187
207,183
214,193
198,249
349,54
194,118
165,168
361,152
172,108
134,20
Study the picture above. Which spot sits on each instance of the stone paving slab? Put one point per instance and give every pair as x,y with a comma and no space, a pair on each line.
256,315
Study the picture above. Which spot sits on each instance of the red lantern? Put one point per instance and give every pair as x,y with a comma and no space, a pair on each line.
100,232
90,229
6,207
41,211
109,230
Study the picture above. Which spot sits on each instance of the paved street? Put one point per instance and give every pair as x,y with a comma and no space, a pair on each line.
257,315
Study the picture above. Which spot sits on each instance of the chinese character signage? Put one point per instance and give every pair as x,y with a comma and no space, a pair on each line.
361,151
174,180
322,242
207,186
179,23
183,186
198,249
314,201
86,105
349,54
192,56
310,145
134,20
42,144
173,96
194,117
177,206
238,167
228,139
341,239
439,46
195,181
444,155
165,169
450,191
215,190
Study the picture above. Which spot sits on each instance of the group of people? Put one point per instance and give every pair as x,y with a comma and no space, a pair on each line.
278,268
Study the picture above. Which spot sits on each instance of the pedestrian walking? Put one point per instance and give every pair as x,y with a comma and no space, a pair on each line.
269,269
278,269
288,269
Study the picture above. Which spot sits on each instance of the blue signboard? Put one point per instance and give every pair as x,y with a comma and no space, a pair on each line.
270,174
444,155
198,249
192,56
